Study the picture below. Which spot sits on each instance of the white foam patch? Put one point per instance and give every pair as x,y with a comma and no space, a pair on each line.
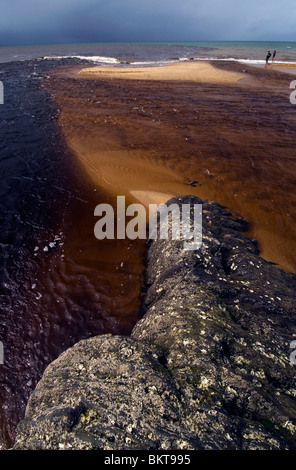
243,61
96,58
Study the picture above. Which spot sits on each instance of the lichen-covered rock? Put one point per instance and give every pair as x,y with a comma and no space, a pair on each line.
207,367
107,392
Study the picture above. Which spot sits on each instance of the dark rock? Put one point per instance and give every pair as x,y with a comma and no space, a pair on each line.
207,367
107,392
192,183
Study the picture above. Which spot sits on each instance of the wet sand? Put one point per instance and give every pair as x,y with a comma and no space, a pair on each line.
283,65
148,138
195,72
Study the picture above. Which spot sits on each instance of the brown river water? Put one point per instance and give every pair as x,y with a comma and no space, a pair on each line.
143,138
147,140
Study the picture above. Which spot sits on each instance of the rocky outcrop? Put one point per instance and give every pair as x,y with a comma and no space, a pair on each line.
207,367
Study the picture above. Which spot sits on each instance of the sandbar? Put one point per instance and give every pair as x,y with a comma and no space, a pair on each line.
196,72
149,133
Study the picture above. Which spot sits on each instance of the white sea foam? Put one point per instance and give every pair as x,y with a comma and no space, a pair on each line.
96,59
252,61
105,60
154,62
243,61
229,59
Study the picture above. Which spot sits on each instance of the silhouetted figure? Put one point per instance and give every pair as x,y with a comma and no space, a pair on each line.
273,56
268,57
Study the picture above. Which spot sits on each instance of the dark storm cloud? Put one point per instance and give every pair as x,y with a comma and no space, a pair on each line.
36,21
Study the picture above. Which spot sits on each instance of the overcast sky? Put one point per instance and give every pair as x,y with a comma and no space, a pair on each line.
84,21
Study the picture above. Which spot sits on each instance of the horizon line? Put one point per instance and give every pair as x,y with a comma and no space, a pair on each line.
145,42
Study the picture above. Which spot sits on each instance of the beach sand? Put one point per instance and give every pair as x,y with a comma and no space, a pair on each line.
283,65
196,72
149,133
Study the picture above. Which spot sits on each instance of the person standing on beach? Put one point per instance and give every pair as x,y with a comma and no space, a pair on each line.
273,55
268,57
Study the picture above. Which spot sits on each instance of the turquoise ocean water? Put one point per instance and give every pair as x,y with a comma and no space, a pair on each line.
154,53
